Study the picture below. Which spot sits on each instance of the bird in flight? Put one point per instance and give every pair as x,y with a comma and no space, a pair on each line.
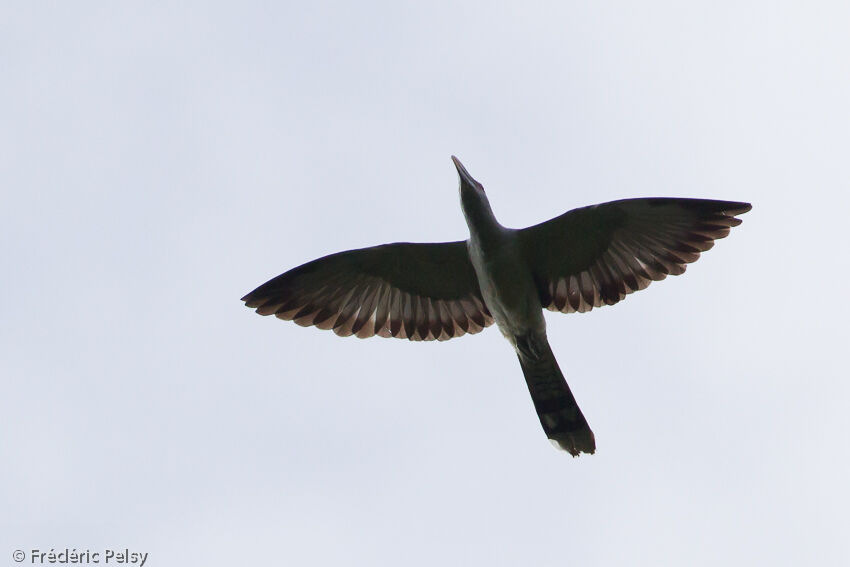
585,258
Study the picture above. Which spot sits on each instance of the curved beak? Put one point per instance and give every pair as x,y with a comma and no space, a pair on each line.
465,177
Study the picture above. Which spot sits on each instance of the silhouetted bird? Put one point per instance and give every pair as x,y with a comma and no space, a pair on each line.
585,258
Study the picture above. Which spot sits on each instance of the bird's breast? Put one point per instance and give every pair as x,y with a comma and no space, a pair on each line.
507,287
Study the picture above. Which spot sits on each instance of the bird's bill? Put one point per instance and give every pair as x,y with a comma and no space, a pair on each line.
465,177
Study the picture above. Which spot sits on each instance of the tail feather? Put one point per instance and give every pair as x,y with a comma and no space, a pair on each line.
556,407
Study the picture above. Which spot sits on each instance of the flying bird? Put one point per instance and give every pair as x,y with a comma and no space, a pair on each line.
585,258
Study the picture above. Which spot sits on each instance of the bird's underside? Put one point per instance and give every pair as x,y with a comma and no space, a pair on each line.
585,258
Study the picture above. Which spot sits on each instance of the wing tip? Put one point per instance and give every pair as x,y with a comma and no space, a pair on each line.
252,302
737,208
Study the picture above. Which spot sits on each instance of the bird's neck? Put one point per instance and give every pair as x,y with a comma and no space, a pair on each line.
480,219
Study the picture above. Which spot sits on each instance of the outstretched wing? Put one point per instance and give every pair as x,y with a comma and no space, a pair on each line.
597,255
420,292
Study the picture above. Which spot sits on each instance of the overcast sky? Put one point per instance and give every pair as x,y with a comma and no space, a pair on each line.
157,162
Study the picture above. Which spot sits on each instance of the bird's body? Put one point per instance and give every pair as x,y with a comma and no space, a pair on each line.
583,259
507,286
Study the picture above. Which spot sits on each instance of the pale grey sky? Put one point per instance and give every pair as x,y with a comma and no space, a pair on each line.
159,161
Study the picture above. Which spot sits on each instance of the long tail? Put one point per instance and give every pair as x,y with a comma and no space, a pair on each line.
556,407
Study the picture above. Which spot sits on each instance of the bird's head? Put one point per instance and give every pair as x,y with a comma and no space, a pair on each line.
473,200
467,183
